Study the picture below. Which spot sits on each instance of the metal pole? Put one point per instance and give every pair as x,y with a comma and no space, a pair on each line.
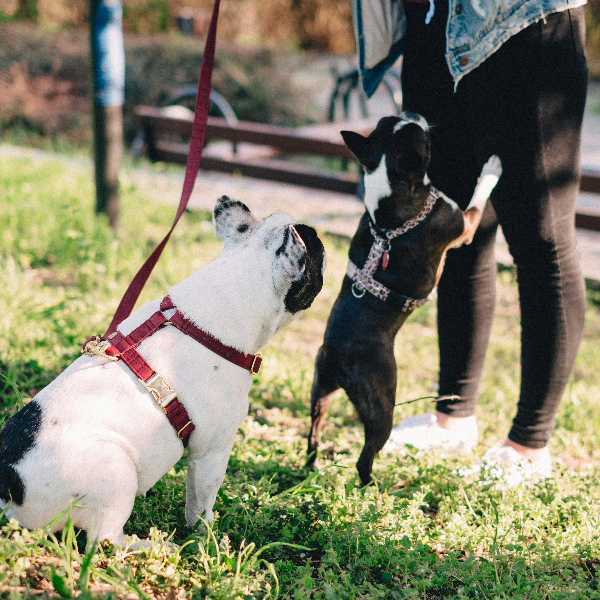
108,74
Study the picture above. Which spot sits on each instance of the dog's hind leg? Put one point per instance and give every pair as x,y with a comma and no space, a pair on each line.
325,383
372,390
108,504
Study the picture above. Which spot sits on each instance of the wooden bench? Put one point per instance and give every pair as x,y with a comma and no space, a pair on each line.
257,150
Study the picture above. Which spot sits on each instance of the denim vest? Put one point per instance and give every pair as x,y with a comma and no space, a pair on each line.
475,30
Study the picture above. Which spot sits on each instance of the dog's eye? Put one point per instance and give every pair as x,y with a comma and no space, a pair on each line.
242,228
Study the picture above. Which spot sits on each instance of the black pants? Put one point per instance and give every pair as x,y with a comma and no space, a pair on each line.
524,103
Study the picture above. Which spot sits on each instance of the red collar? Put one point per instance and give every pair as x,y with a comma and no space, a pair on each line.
120,343
123,347
249,362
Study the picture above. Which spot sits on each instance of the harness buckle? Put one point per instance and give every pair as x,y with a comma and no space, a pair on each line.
162,392
97,347
254,368
179,432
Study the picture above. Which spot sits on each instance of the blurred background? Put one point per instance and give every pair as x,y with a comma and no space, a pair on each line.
277,61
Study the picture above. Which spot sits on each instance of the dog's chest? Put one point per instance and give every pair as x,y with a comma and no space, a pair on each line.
411,271
410,264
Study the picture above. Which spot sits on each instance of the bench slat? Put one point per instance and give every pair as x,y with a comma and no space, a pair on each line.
320,140
272,170
283,138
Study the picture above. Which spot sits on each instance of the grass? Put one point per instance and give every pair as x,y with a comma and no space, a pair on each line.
423,532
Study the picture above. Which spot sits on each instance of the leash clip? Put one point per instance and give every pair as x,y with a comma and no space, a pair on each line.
96,346
385,245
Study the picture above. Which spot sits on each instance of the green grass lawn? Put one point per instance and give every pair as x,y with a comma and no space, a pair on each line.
424,531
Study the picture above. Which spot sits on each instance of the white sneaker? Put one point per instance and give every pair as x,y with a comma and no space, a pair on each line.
424,433
506,466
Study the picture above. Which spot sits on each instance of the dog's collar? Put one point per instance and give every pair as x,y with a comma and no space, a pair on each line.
390,234
123,347
364,280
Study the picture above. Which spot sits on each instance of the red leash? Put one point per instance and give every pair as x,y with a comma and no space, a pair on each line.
191,171
123,348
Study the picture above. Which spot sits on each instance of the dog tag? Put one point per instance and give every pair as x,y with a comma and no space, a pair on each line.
385,259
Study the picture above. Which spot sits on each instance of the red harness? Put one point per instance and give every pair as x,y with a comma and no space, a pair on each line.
117,346
123,347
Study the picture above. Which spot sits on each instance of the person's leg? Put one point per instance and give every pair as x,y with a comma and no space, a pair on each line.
532,118
466,292
526,102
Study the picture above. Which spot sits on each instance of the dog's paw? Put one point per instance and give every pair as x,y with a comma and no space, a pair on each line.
493,166
133,544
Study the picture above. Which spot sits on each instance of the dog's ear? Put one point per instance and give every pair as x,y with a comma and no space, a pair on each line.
363,148
232,219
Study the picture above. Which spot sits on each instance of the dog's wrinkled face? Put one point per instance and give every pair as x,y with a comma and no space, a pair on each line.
395,157
293,252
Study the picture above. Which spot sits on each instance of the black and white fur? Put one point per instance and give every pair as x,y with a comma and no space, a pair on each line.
358,349
96,434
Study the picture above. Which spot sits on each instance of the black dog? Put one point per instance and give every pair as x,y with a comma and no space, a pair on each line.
396,259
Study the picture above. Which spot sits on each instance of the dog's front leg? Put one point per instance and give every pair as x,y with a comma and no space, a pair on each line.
490,174
204,478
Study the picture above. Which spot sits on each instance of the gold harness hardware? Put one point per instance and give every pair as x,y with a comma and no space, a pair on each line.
162,392
179,432
98,347
256,357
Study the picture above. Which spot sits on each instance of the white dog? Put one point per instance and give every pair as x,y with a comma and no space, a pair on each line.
97,434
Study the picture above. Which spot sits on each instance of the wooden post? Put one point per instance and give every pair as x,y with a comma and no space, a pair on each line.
108,74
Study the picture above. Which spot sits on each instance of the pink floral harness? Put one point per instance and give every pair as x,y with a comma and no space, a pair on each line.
364,280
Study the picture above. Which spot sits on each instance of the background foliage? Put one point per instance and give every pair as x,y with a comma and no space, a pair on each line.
46,86
324,25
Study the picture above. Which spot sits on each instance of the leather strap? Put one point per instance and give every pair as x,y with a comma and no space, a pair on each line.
121,343
191,172
174,409
124,348
249,362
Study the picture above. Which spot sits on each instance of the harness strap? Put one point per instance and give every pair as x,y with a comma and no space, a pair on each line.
398,301
191,171
364,279
117,346
249,362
